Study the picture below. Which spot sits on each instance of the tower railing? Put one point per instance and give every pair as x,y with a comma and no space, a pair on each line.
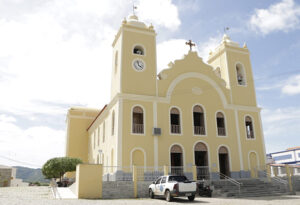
175,129
221,131
199,130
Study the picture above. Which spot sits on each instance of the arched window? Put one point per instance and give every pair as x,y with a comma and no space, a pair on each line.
240,74
249,128
137,120
113,123
221,124
175,121
139,50
199,125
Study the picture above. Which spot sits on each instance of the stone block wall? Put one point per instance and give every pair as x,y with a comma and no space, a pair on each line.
5,177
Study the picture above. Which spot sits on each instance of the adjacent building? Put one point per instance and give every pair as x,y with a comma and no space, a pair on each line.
288,156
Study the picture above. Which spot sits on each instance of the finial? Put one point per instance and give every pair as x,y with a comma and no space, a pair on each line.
124,21
245,45
151,27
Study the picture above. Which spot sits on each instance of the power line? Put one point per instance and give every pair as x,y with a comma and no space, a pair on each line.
13,160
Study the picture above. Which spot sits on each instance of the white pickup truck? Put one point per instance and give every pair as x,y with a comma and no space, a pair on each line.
173,186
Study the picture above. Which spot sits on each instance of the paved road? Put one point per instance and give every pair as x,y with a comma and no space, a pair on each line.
42,196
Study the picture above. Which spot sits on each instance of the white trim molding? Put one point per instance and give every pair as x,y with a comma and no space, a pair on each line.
253,127
180,118
138,149
183,153
225,124
200,76
257,159
229,156
204,116
208,153
144,119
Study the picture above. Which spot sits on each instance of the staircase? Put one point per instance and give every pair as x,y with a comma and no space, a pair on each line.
249,188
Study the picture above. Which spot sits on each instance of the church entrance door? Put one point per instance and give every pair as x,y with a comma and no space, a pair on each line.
224,162
176,160
201,161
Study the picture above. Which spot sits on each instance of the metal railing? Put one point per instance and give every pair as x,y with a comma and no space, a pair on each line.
199,130
176,170
149,173
55,192
138,128
221,131
203,172
175,129
231,180
273,177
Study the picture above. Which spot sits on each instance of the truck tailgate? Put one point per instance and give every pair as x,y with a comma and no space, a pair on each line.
187,187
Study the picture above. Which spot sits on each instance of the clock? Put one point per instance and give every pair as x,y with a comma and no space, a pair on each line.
138,64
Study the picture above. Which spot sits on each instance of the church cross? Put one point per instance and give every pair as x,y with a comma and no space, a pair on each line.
191,44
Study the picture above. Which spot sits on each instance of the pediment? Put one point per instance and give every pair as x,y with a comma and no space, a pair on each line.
190,62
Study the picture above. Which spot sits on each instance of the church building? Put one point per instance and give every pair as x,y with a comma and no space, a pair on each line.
191,113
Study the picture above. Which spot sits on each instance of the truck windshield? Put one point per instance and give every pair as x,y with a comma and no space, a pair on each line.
177,178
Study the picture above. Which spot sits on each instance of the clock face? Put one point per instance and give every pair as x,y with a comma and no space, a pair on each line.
138,64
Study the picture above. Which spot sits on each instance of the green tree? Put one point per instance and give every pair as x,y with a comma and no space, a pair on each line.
57,167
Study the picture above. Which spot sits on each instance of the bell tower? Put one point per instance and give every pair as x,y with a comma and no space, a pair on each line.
134,59
234,66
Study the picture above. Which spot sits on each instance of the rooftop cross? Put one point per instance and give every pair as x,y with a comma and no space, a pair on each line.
191,44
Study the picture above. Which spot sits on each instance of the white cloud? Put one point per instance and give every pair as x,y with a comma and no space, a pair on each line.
279,125
292,86
56,53
282,16
174,49
170,50
162,13
33,146
7,119
206,47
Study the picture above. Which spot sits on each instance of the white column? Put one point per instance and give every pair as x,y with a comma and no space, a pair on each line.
238,139
119,134
155,149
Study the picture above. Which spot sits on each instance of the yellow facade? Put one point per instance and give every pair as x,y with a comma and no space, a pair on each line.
206,112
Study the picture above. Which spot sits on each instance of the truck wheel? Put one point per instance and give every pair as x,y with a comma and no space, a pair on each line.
191,198
168,195
151,194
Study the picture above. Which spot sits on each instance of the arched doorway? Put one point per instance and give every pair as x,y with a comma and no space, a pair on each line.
253,164
139,162
201,160
224,161
176,160
138,158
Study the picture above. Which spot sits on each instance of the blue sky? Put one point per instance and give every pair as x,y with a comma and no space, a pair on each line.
56,54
